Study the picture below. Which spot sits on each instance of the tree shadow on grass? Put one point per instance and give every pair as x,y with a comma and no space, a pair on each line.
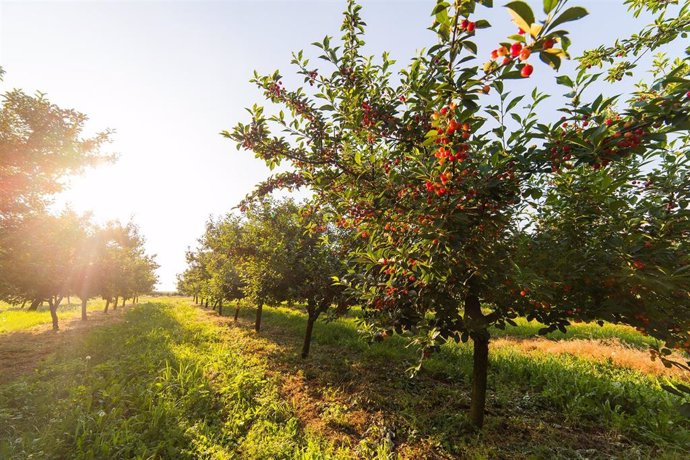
531,399
97,397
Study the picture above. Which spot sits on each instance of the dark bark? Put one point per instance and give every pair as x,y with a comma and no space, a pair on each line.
237,311
83,309
307,335
115,303
259,311
34,304
23,304
107,304
480,368
220,308
53,312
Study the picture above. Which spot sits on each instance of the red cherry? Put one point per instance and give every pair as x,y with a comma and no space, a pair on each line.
470,27
548,43
506,60
515,49
494,54
523,293
525,54
526,71
520,31
464,24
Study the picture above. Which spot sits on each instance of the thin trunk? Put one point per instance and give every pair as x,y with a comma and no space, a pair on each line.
53,313
34,304
107,304
115,302
206,303
220,308
259,311
124,300
23,304
480,366
83,309
307,335
237,311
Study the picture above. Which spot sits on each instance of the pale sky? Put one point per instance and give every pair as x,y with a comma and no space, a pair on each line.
169,76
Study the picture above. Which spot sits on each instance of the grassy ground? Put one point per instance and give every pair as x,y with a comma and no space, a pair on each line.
174,381
15,318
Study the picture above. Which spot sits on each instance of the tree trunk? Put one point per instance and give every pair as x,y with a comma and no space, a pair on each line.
259,311
237,311
206,303
480,366
220,308
53,314
83,309
107,304
23,304
307,335
115,302
34,304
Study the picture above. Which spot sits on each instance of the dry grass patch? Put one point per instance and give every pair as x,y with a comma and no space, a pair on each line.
610,350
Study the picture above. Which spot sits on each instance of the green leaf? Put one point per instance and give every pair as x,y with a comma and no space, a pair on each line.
671,390
482,24
571,14
545,330
565,81
549,5
358,158
551,59
441,6
522,14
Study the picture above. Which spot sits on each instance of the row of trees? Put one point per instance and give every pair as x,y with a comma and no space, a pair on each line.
46,257
275,251
466,206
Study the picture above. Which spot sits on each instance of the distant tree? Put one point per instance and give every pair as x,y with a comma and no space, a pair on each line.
42,251
271,234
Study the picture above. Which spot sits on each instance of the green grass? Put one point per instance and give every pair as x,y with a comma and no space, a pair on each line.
15,318
169,383
613,410
161,384
625,334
